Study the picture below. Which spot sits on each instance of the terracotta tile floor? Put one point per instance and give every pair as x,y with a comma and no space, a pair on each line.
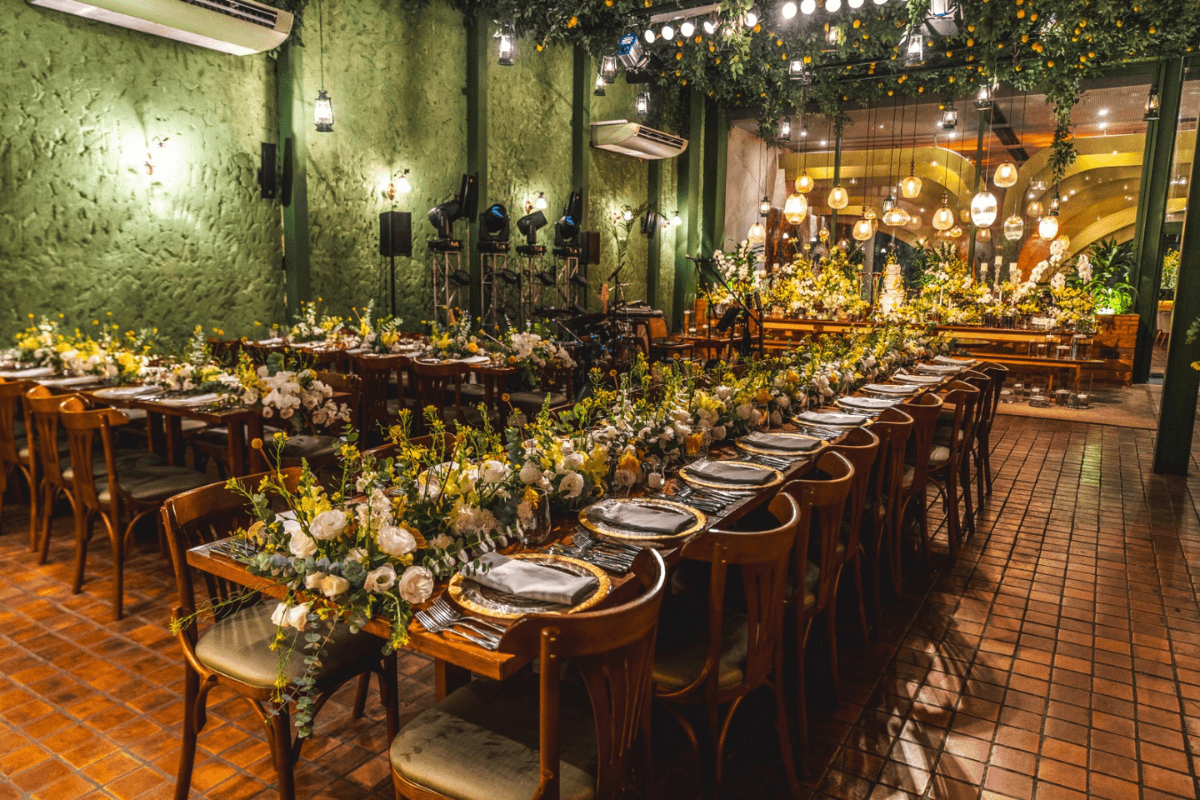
1058,658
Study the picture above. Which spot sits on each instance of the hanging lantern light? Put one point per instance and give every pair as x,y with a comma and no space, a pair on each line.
1152,105
323,112
1014,228
600,84
964,214
914,223
798,72
642,105
1006,175
785,129
1034,210
954,232
862,230
910,186
764,206
943,218
889,203
508,49
983,209
805,183
608,69
983,100
896,217
757,233
839,198
795,208
949,118
914,48
1048,226
869,216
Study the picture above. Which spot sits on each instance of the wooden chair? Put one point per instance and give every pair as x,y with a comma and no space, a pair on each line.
948,459
554,383
42,416
712,657
235,654
971,461
661,344
434,384
924,410
382,399
893,427
16,455
531,736
121,495
987,420
861,448
821,498
320,450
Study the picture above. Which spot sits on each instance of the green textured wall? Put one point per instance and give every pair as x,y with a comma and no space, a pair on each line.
83,228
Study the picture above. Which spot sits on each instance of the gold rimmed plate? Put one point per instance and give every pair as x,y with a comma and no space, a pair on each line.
761,450
483,600
603,528
685,473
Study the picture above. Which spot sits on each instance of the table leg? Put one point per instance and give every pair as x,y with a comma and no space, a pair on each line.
174,440
237,449
447,677
154,433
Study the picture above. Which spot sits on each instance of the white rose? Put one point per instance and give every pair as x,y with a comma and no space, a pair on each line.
301,544
571,486
333,585
380,579
291,617
279,615
744,410
416,584
718,433
312,580
396,541
493,472
573,461
530,473
328,524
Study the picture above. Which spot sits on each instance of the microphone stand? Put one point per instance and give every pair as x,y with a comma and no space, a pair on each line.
744,347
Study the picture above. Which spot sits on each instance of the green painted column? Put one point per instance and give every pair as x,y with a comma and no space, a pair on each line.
477,142
1177,420
837,181
653,248
687,201
1152,211
716,148
978,172
294,120
581,127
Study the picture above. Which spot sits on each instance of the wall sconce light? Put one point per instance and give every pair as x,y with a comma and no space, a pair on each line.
398,185
536,203
157,145
1152,102
675,220
323,112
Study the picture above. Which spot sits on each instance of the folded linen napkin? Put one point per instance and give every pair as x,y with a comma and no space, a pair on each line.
32,372
775,441
830,418
531,580
79,380
269,342
955,361
904,377
472,359
127,391
889,388
940,369
192,400
636,517
870,403
724,472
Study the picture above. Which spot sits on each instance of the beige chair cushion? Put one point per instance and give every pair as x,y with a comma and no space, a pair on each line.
682,640
938,455
906,480
536,399
124,459
153,483
481,743
239,647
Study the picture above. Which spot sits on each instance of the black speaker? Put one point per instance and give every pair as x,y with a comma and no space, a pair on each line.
267,174
591,247
395,233
289,157
468,196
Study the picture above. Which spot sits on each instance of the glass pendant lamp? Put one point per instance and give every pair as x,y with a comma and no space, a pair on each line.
984,209
795,208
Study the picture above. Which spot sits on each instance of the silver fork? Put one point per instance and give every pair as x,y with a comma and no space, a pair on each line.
443,607
441,617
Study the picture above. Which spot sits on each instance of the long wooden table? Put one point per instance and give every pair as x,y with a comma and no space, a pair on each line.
456,658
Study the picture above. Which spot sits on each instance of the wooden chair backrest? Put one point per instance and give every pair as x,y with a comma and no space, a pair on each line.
82,425
893,427
41,426
657,328
10,397
375,375
821,494
861,448
761,558
924,410
614,649
999,374
432,382
203,516
964,398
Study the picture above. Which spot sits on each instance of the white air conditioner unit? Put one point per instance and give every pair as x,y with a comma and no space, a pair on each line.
240,27
632,139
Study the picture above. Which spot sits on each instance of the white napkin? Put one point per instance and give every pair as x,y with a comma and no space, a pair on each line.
472,360
958,361
939,369
194,400
830,418
33,372
925,380
890,388
534,581
870,403
116,392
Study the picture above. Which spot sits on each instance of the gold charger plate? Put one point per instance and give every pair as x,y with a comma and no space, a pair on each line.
480,599
706,483
766,451
644,537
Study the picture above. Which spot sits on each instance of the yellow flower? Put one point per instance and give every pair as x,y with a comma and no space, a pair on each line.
256,443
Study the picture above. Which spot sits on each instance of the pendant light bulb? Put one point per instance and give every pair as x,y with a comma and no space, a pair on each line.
862,230
889,203
757,233
983,209
1014,228
839,198
910,186
1006,175
795,208
805,183
896,217
1034,210
1048,227
983,235
943,218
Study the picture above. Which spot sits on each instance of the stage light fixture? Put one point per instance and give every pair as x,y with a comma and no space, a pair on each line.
687,28
710,26
855,3
444,215
788,10
649,36
751,18
668,32
833,6
808,6
630,53
529,225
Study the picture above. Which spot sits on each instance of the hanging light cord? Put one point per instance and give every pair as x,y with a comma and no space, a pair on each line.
321,38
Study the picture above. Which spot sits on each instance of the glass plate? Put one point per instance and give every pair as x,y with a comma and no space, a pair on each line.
643,537
788,454
489,602
709,483
126,392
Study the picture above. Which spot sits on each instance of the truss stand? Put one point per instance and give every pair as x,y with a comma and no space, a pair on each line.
571,281
445,263
530,257
498,283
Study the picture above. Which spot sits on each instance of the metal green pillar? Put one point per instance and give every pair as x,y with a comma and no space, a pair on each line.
975,191
716,148
293,128
581,118
687,200
653,248
1152,211
477,142
837,181
1177,420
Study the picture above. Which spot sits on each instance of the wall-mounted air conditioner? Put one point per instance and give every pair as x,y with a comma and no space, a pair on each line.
633,139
